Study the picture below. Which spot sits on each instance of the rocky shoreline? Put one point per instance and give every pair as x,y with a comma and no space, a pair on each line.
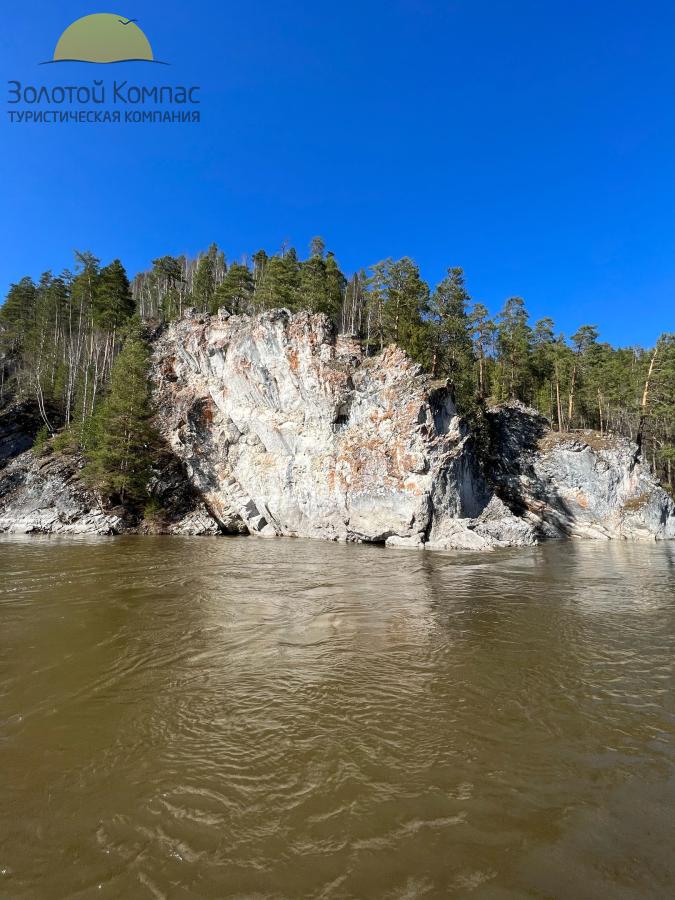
276,426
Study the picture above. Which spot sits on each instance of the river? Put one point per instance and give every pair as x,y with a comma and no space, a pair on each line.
241,718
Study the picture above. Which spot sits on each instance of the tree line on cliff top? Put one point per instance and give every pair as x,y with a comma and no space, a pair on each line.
76,345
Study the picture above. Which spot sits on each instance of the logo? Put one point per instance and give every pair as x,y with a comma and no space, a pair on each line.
103,38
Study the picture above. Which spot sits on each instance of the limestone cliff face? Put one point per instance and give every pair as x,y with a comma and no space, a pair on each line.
276,426
579,484
286,429
45,496
44,493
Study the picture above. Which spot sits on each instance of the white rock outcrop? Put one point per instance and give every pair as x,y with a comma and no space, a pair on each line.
579,484
45,496
286,429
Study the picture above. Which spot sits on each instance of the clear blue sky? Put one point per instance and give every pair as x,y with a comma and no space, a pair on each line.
532,143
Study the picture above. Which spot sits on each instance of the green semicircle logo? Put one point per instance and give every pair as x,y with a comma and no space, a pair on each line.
103,38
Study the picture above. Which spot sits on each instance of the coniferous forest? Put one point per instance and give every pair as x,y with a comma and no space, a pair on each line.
76,345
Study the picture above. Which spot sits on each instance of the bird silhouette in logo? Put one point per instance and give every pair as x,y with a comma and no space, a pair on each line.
97,38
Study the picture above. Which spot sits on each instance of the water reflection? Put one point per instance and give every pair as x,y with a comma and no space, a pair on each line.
237,718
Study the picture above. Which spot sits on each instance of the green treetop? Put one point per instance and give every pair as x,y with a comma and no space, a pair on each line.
235,291
113,303
453,351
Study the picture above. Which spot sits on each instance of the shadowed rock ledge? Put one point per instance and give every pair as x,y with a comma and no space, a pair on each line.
278,426
575,484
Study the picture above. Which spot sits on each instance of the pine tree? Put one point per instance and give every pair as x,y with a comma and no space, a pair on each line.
397,302
662,412
85,283
235,291
583,341
17,314
205,279
280,282
322,284
407,295
453,350
336,285
483,334
166,276
113,303
513,339
259,265
313,284
122,450
317,247
542,366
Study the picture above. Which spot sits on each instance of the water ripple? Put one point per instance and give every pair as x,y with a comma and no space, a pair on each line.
186,718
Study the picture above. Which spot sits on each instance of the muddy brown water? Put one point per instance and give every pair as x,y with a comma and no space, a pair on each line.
238,718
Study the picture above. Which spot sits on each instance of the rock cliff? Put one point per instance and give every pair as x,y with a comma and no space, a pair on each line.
44,493
277,426
45,496
287,429
579,484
